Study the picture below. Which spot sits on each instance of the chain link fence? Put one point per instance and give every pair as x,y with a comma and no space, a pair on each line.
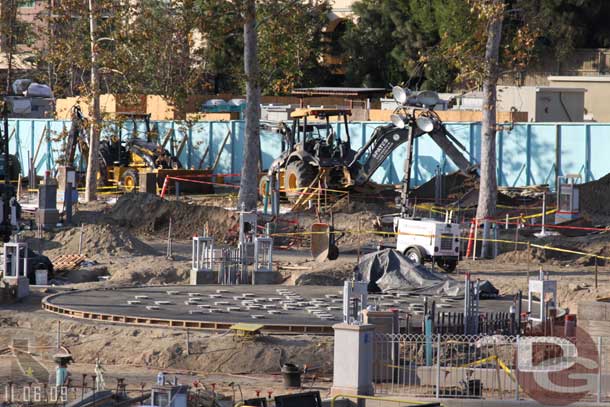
491,367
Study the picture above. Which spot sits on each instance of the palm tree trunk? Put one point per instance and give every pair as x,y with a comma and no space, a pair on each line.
488,191
248,192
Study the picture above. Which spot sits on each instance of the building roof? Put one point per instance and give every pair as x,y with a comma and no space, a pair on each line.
339,91
320,112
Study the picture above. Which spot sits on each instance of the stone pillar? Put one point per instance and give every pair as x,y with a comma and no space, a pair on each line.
386,322
353,359
47,214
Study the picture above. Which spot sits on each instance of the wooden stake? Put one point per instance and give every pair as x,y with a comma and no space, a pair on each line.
529,256
476,232
595,272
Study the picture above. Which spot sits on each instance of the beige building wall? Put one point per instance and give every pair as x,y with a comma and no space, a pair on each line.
596,97
544,103
341,9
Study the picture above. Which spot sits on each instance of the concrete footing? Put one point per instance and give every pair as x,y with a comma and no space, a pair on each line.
211,277
268,277
21,284
203,277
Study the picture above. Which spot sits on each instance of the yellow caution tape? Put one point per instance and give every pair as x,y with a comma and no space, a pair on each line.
479,239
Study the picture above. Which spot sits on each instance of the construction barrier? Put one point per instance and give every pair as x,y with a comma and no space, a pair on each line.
469,238
527,152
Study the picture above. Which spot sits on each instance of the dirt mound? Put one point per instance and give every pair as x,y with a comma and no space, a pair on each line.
594,199
100,240
150,270
596,244
353,229
147,213
518,256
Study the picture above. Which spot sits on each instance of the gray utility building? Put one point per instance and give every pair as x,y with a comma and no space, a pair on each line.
544,103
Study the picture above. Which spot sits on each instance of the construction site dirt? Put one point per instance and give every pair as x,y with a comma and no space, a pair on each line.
124,245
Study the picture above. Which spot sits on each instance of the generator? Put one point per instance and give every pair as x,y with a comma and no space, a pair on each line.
422,240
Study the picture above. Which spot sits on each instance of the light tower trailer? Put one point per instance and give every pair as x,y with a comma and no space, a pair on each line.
422,240
426,239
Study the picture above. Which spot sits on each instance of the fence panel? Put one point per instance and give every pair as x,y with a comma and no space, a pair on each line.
491,367
527,152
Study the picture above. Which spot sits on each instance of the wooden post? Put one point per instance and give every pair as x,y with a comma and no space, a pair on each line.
80,239
476,232
529,256
169,251
517,236
19,187
188,342
58,335
94,136
595,272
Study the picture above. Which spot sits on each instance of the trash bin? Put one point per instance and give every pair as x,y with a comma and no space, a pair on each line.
292,376
41,277
474,388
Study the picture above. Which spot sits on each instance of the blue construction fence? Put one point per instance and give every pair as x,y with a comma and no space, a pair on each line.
528,153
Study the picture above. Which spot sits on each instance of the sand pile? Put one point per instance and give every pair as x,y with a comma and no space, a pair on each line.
150,270
520,256
99,240
355,226
598,244
147,213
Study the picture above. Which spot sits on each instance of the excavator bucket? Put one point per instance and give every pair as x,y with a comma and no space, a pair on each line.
323,245
320,241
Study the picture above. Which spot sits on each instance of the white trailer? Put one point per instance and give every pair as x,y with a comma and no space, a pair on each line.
422,240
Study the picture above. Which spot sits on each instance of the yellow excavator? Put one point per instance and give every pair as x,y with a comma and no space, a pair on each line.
122,161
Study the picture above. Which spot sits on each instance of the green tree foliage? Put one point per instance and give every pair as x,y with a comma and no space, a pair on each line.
389,36
291,44
183,47
218,25
67,58
368,44
13,33
395,40
154,49
567,24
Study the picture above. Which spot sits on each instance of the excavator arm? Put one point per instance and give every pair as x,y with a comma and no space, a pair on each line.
385,139
449,144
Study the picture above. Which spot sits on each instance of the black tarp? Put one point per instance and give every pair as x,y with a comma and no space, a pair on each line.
388,270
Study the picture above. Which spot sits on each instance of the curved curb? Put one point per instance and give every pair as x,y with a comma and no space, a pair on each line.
285,329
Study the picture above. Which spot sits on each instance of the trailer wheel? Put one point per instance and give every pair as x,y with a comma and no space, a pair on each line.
447,265
129,180
414,255
298,176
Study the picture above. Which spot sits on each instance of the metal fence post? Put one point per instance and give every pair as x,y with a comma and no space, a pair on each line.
516,369
438,366
599,370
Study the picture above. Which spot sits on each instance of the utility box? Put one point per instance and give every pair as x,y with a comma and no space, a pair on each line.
568,199
544,103
15,268
422,240
47,214
65,175
169,396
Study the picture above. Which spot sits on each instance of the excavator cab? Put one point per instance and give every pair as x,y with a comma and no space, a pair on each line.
315,136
